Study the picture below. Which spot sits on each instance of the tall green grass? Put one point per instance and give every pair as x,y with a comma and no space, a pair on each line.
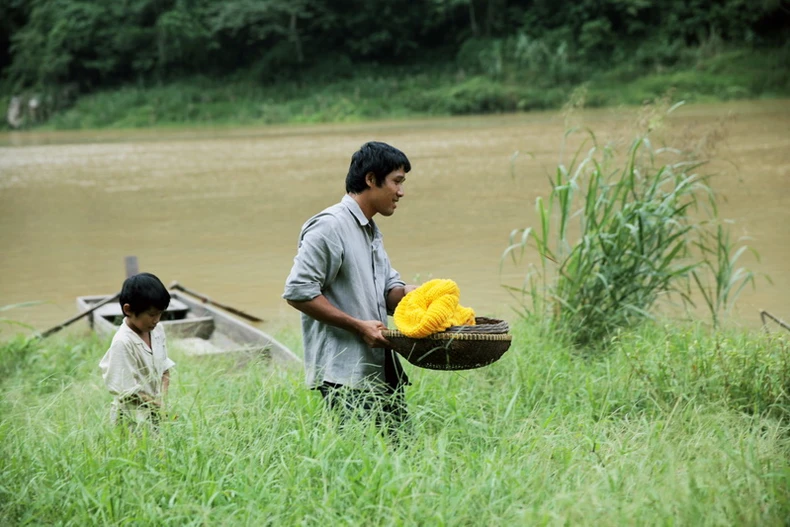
617,233
666,428
16,349
719,279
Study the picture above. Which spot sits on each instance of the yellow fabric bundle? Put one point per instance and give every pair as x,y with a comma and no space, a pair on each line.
431,308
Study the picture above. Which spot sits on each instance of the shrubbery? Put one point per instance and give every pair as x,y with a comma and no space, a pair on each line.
618,232
490,57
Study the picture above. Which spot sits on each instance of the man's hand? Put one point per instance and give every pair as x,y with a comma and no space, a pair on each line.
370,331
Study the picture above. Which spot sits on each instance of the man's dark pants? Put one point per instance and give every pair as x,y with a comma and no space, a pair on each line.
388,407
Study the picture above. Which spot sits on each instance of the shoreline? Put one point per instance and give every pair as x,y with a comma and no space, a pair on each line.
386,94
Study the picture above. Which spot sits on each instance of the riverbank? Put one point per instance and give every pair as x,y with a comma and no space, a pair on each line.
674,423
371,93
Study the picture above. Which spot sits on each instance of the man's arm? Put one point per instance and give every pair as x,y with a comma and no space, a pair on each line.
322,310
396,294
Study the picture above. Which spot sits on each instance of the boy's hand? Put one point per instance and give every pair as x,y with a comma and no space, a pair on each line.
153,405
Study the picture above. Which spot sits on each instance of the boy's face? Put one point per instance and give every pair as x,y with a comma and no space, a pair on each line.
143,322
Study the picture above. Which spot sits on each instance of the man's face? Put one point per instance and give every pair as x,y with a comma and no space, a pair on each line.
385,198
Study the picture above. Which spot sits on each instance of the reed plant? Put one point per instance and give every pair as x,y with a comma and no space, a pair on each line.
718,277
617,234
632,246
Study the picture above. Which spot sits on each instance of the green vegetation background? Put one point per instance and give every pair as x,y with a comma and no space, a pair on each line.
137,63
672,426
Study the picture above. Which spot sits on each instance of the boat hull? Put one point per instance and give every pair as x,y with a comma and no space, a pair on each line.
195,327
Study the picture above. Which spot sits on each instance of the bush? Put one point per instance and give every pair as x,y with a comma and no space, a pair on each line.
749,373
638,216
480,55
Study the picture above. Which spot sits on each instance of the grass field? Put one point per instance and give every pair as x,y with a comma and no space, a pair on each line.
674,425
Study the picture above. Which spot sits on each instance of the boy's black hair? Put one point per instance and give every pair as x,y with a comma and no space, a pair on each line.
144,291
379,158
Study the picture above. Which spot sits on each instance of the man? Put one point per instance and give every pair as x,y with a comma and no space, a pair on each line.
345,287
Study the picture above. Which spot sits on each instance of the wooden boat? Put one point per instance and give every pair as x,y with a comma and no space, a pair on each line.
193,326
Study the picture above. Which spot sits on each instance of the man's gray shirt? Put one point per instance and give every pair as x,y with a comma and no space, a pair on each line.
341,255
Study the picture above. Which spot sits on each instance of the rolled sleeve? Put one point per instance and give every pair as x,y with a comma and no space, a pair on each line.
393,279
317,261
168,364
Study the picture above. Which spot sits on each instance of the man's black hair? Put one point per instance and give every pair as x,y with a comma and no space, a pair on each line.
379,158
144,291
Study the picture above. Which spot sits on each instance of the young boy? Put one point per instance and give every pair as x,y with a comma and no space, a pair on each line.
136,368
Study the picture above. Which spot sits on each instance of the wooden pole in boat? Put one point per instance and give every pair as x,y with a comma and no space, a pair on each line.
132,268
782,323
62,325
207,300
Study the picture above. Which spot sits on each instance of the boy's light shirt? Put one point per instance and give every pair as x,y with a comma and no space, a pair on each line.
131,367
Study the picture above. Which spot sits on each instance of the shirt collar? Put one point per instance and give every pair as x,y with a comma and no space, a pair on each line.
135,336
352,205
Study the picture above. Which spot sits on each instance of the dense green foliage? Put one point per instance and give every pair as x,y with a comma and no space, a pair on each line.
469,55
93,43
674,425
402,92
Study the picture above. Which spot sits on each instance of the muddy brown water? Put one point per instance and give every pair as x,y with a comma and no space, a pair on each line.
219,210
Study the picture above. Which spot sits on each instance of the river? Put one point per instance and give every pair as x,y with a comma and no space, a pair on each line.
219,209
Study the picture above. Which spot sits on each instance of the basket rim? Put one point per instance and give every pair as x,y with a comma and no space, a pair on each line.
484,326
394,333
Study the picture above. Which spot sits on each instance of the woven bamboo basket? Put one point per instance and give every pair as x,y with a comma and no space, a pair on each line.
457,348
